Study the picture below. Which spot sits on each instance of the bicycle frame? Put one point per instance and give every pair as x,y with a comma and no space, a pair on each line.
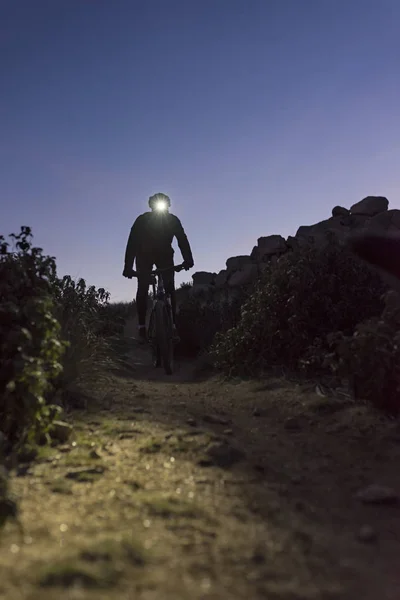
160,329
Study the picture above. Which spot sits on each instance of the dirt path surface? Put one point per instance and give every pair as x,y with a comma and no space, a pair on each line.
190,487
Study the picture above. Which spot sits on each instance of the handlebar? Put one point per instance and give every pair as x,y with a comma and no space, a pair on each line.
175,268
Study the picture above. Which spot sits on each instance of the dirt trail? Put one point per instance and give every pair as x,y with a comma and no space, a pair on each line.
187,487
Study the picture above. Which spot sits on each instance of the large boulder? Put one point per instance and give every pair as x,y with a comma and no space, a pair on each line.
203,278
371,206
340,211
386,221
221,278
237,262
267,247
247,274
321,233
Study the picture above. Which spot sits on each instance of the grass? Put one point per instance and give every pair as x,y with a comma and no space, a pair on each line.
60,486
97,566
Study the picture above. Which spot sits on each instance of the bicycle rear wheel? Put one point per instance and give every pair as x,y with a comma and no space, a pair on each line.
163,323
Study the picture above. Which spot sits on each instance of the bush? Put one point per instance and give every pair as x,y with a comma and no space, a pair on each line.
115,315
370,358
81,312
302,298
200,317
31,348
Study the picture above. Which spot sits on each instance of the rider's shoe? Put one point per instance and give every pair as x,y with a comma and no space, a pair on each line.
142,338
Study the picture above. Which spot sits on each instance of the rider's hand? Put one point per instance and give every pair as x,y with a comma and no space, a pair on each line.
127,273
188,264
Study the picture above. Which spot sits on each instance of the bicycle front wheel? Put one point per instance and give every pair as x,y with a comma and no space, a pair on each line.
152,338
164,336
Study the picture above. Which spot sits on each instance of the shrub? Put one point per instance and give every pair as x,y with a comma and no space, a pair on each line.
370,358
306,295
115,315
80,311
31,348
200,317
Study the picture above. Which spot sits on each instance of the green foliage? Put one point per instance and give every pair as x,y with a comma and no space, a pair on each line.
115,315
81,312
31,348
302,298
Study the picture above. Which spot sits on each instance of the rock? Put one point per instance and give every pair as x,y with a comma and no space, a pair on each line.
377,494
23,470
340,211
237,262
221,278
268,246
388,221
272,244
27,454
222,455
94,454
297,479
85,474
320,233
60,431
293,424
367,534
192,422
292,243
247,274
203,278
371,205
216,420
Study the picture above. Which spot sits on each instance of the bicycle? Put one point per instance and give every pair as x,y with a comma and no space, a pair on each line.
161,331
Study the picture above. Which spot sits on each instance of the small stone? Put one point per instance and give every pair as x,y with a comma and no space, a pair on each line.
296,479
256,412
260,468
367,534
228,432
192,422
377,494
60,431
216,420
22,470
85,474
94,454
292,424
223,455
64,448
27,454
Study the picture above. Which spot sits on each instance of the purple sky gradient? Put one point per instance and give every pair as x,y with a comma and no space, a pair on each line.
255,116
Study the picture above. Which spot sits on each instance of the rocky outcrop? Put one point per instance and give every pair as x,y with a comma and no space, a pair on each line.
267,247
247,274
371,213
370,206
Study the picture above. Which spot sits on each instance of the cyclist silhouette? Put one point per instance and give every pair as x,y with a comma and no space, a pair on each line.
150,243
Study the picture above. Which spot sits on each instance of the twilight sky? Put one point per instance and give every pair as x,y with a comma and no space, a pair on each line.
255,116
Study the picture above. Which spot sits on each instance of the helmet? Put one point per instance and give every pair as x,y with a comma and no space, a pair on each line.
159,202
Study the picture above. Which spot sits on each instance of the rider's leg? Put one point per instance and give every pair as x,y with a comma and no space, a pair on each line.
166,261
144,265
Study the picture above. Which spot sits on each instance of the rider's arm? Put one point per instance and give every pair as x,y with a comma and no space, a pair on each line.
131,246
183,242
